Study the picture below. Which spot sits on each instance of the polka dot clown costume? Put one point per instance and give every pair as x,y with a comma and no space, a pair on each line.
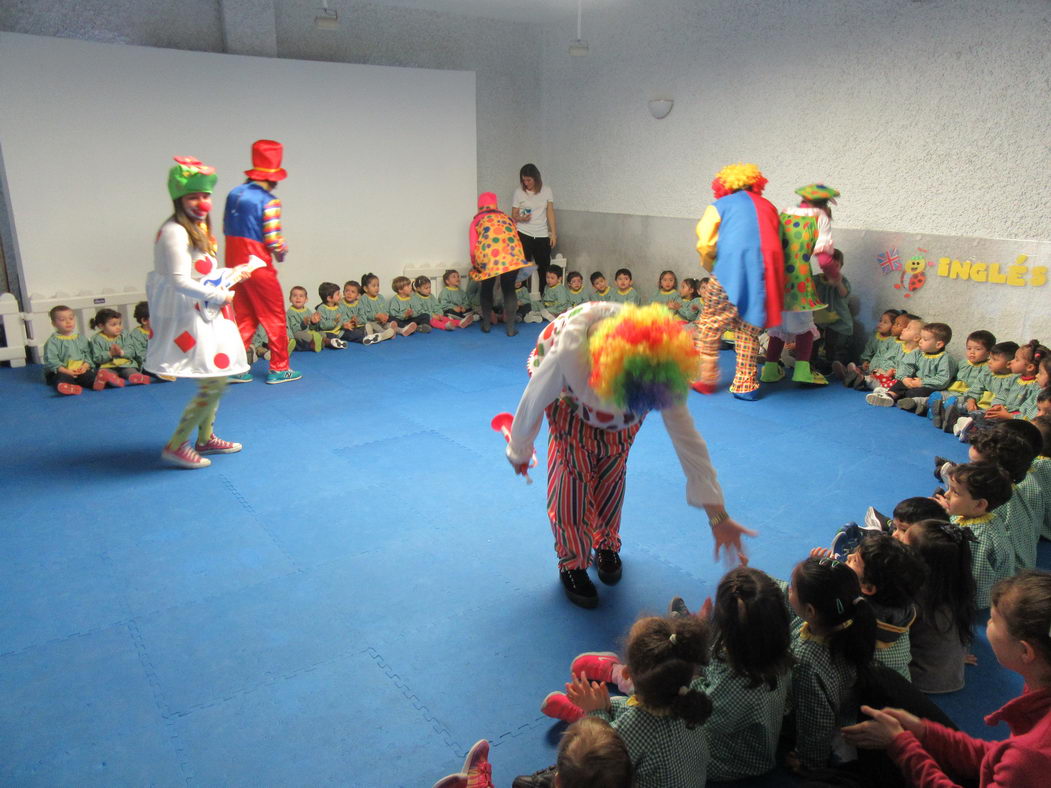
496,254
806,235
739,241
194,333
596,372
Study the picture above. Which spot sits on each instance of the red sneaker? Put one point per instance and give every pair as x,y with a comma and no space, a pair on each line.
69,388
703,388
111,378
218,446
139,379
185,457
559,706
595,665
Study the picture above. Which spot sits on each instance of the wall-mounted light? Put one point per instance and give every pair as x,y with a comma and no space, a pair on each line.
660,107
327,18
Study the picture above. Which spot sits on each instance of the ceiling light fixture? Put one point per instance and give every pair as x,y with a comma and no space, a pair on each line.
578,46
327,18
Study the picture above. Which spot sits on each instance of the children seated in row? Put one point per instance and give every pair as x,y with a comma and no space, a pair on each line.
69,358
923,367
113,348
835,323
878,349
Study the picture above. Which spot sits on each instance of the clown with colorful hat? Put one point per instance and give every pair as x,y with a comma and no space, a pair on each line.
496,253
194,333
596,371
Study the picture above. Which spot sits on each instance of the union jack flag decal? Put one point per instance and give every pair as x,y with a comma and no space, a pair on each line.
889,261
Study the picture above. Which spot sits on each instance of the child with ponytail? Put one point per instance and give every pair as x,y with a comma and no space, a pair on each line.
927,753
944,626
834,639
112,349
661,723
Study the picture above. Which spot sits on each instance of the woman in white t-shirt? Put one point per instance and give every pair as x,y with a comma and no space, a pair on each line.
533,211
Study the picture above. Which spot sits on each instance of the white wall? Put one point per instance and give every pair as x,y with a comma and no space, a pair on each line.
89,130
929,116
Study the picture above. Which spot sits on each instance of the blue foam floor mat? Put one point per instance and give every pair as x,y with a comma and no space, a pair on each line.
366,589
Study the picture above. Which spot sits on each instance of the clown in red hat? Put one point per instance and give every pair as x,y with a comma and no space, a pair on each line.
252,226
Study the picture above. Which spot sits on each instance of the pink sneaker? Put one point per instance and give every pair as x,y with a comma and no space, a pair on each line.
70,389
559,706
112,378
595,665
477,767
185,457
139,379
464,322
218,446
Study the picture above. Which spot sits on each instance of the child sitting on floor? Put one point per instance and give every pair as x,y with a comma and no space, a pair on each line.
375,309
876,351
971,379
690,301
67,357
944,625
975,498
600,290
996,384
575,294
836,322
667,290
662,722
924,370
113,349
336,331
452,300
1014,446
404,319
301,322
1041,469
625,293
424,303
930,754
590,754
527,308
1019,401
553,301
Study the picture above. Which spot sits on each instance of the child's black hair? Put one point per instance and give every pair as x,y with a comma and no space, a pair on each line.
1035,352
983,338
663,655
1043,423
352,283
946,550
703,281
673,276
893,568
142,312
751,626
1026,431
691,283
1004,349
1007,449
326,290
555,268
940,331
574,274
894,314
420,281
293,289
912,510
983,480
834,591
623,272
367,279
103,316
448,272
596,275
56,309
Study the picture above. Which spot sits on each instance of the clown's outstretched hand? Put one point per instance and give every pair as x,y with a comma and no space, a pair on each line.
727,534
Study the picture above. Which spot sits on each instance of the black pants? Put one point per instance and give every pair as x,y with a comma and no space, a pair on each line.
831,346
899,390
507,288
85,379
538,250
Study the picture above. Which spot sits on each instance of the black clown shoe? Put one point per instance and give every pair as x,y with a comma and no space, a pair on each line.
579,588
609,566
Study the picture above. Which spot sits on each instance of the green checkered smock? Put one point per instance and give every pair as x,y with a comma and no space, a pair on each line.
745,722
663,751
992,556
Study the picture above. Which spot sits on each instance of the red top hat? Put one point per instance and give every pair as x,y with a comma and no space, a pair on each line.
266,161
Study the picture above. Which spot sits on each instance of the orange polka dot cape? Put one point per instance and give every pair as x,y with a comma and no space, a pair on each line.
805,233
494,244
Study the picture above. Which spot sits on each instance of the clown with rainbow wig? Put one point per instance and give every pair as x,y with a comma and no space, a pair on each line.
596,372
739,241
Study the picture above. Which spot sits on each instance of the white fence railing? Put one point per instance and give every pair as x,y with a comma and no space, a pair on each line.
29,329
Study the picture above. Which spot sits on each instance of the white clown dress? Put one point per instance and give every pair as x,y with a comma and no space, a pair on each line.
192,336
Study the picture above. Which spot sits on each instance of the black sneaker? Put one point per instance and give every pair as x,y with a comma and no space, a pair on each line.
545,778
938,412
608,564
949,419
579,588
677,608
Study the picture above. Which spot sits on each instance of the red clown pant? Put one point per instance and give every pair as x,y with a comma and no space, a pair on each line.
259,301
585,484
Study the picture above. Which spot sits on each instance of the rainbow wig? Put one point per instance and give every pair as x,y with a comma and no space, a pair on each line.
641,359
734,177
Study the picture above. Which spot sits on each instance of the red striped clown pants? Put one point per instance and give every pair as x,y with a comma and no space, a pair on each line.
585,484
717,316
